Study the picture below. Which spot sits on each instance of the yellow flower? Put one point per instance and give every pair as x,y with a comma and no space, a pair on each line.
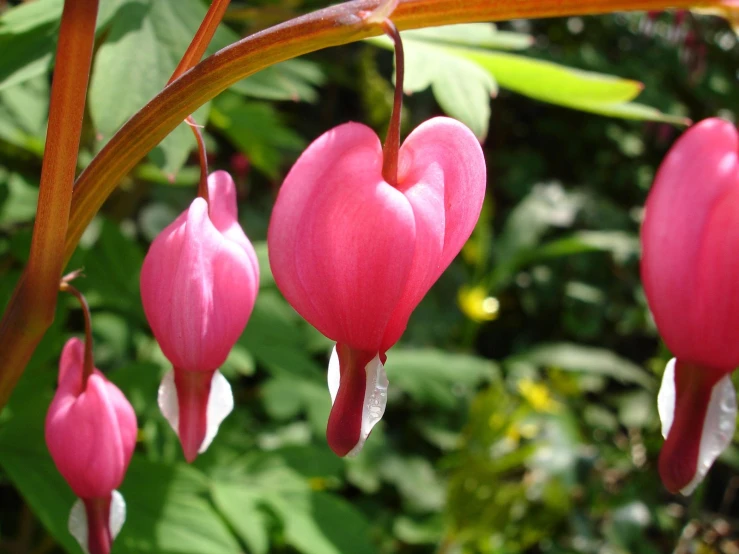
538,396
477,305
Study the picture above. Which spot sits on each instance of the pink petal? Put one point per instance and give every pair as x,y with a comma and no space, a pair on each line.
223,213
198,289
341,240
442,174
689,238
91,436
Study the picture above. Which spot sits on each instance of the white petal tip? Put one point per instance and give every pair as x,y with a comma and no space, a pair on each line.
77,523
167,400
718,430
375,401
220,404
666,398
334,375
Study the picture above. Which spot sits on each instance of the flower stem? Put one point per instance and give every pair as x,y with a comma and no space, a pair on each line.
392,142
89,364
202,38
202,157
32,306
192,56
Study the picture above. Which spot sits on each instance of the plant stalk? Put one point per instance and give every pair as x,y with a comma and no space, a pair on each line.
33,304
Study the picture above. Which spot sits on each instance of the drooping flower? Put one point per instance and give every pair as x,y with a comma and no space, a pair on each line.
199,283
91,433
690,271
354,255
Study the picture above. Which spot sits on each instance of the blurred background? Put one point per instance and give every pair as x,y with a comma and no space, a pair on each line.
522,404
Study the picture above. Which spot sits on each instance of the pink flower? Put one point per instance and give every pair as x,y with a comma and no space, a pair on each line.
199,282
690,271
355,255
91,433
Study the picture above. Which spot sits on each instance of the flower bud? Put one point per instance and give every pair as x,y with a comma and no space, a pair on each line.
199,283
91,433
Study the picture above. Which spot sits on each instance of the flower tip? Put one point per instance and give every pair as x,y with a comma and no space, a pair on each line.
358,396
698,415
195,403
95,523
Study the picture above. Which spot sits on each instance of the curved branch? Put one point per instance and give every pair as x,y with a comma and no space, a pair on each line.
332,26
23,323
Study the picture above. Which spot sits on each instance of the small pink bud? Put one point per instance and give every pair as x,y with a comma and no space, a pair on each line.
199,282
91,433
355,255
690,271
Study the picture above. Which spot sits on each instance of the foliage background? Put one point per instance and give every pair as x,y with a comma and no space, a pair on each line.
521,415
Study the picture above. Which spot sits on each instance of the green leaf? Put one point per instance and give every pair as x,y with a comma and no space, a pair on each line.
286,398
436,377
462,88
241,508
28,35
23,111
598,361
167,512
113,271
30,15
479,35
257,130
321,523
416,480
27,53
277,337
152,37
463,69
294,80
572,88
19,206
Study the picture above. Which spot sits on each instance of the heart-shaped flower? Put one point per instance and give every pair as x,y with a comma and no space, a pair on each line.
690,270
354,255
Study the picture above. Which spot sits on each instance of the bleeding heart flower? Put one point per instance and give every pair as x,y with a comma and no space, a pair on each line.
354,255
199,283
690,271
91,433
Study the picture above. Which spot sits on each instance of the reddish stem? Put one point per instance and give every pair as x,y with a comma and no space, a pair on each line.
193,391
89,365
32,306
202,38
99,539
203,157
192,56
392,142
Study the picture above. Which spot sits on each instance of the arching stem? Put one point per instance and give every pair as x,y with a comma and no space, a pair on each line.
203,157
65,286
192,56
392,142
